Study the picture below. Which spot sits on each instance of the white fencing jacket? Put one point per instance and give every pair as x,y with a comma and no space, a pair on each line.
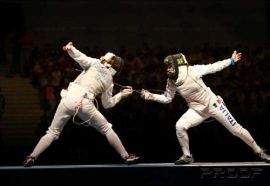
191,86
94,79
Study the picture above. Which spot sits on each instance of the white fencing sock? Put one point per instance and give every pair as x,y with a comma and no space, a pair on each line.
42,145
114,141
183,139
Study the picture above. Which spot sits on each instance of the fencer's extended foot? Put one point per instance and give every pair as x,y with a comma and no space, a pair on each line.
29,161
264,156
131,159
184,160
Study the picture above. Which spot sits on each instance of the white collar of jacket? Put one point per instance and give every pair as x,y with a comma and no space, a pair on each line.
182,74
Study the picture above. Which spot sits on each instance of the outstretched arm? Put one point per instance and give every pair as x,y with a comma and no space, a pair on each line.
217,66
109,101
83,60
167,97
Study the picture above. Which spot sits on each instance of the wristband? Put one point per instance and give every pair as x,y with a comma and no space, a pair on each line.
232,61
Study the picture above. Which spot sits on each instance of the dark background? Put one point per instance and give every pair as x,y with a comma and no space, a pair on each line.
206,31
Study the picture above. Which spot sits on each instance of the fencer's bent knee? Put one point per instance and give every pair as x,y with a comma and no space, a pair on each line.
179,128
182,124
53,133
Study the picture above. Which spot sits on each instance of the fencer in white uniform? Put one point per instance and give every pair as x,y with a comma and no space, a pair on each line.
202,102
78,99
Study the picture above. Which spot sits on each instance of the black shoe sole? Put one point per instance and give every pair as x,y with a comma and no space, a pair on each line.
183,163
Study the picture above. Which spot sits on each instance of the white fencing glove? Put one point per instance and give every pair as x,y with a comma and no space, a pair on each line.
68,46
127,91
145,94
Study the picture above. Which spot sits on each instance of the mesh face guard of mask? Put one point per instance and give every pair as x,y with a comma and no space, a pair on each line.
114,63
117,65
175,61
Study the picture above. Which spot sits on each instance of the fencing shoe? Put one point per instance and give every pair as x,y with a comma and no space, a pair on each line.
264,156
29,161
184,160
131,159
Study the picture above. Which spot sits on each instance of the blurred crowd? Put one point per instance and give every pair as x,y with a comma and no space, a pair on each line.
244,86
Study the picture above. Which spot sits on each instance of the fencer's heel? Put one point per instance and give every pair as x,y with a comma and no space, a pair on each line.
29,161
264,156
